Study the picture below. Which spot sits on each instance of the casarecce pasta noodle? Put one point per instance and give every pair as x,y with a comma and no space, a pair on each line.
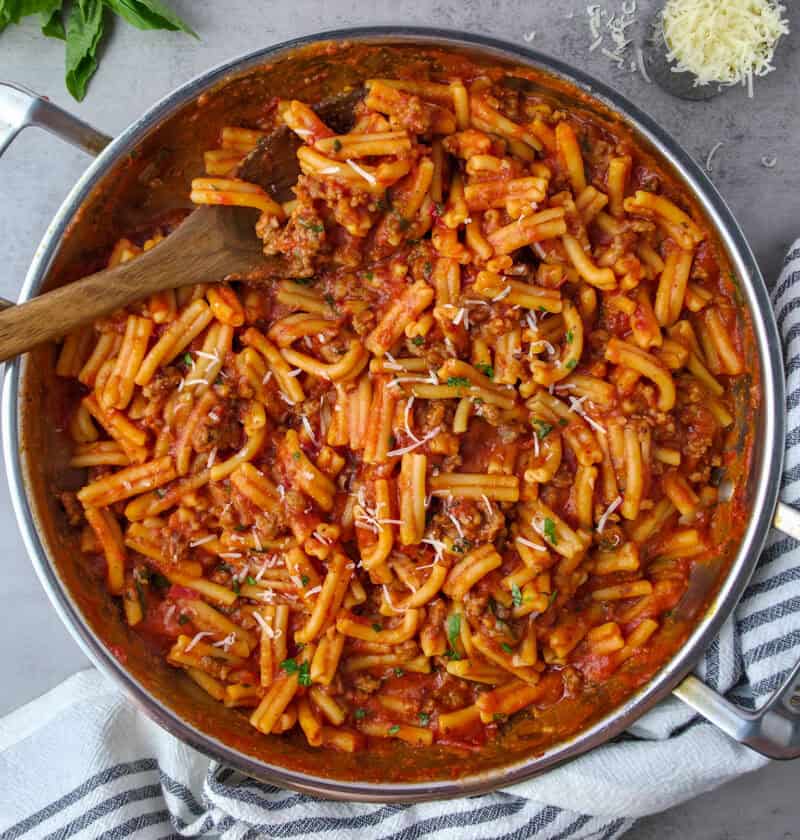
458,464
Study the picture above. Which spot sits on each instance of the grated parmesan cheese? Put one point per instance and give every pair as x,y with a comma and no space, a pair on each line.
726,42
368,177
402,451
609,510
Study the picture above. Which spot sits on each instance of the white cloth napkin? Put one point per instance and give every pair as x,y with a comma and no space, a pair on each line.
81,762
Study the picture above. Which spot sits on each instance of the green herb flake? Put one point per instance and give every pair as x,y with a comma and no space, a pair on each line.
290,666
563,422
235,586
360,714
314,227
187,360
457,382
552,598
160,492
377,627
250,580
454,628
183,619
304,281
507,648
304,579
418,341
543,429
296,455
424,718
398,672
498,717
337,145
393,730
486,370
516,595
571,364
570,337
550,531
304,677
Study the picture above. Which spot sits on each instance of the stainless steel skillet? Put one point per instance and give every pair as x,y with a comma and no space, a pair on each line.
34,451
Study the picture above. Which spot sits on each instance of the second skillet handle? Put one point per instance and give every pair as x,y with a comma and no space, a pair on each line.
20,108
774,730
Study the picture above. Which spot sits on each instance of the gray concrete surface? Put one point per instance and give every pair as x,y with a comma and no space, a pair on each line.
138,68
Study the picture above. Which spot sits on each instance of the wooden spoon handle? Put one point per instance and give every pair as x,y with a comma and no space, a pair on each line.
59,312
195,252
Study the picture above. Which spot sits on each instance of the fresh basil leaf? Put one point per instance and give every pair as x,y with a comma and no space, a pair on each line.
84,31
149,14
52,24
12,11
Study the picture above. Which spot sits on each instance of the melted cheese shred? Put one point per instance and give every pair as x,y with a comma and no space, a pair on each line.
726,42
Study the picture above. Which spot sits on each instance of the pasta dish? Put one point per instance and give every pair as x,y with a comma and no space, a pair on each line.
460,466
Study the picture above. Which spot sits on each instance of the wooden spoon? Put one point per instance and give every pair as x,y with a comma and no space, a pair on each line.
210,244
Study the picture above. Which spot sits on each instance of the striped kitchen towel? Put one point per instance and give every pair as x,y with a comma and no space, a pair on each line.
81,762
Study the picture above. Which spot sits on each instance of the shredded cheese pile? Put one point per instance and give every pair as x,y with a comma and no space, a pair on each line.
726,42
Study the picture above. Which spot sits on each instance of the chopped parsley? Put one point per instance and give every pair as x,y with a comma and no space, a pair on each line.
302,670
183,619
458,381
552,598
393,730
377,627
550,531
235,586
314,227
498,717
296,455
418,341
543,429
251,580
563,422
424,718
454,628
304,579
360,714
571,364
486,370
462,546
337,145
507,648
303,281
223,567
160,492
570,336
516,595
398,672
187,359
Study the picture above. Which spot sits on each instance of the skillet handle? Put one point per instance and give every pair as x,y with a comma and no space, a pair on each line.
20,108
774,730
